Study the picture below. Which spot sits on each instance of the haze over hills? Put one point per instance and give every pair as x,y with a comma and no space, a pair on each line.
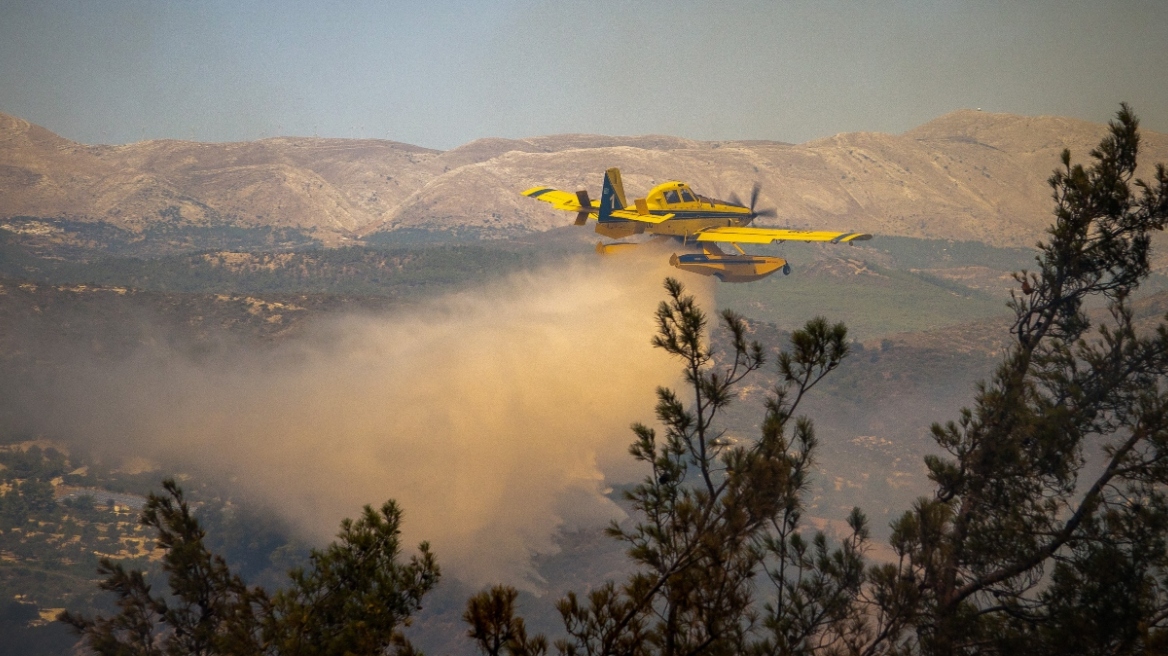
967,175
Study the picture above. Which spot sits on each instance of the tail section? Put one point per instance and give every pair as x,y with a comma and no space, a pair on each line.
612,196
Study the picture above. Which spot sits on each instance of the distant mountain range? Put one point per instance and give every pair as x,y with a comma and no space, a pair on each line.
968,175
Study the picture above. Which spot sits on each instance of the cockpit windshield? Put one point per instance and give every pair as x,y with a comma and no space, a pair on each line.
672,197
687,196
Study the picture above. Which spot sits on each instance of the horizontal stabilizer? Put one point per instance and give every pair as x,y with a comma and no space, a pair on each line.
634,215
582,198
563,200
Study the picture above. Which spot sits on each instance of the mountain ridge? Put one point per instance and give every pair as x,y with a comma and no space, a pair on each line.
966,175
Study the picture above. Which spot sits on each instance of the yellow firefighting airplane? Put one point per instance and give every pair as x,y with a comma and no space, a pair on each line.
673,210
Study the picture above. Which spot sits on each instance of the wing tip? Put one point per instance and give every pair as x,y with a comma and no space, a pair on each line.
852,236
536,192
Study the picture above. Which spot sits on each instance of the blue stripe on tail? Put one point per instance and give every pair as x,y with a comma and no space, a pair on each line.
612,195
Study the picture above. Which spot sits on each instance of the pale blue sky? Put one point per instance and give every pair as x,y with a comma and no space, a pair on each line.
441,73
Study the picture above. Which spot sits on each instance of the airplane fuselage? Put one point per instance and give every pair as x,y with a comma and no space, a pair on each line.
690,212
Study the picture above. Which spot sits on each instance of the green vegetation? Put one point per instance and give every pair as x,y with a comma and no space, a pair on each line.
892,285
888,285
401,272
59,515
910,253
412,237
168,234
351,271
352,598
888,295
49,547
1047,530
878,302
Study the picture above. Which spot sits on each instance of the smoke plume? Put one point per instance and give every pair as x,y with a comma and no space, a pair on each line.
494,417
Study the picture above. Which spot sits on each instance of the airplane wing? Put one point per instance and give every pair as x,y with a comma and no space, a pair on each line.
772,235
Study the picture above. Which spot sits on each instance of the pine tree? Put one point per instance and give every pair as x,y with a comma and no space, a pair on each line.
353,598
1046,533
496,629
706,508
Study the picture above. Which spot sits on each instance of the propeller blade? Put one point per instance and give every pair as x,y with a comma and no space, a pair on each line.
769,213
754,191
735,200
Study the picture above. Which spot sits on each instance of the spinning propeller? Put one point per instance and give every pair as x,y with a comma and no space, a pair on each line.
754,214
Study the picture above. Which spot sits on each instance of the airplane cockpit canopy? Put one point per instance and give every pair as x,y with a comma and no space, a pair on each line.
672,193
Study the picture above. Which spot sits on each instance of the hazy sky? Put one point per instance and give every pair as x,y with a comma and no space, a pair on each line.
440,73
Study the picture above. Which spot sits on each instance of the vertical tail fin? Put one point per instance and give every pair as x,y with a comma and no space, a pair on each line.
612,196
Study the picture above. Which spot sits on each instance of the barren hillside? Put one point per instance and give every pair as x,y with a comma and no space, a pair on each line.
967,175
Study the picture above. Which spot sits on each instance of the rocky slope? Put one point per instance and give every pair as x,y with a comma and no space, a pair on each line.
967,175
